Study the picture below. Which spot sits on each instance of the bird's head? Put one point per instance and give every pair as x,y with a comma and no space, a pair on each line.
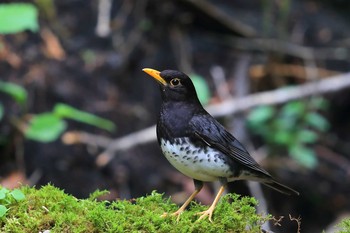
175,85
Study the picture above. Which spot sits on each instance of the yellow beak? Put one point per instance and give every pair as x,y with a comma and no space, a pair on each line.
155,74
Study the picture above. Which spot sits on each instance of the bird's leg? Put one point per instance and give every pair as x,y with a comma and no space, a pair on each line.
209,212
198,186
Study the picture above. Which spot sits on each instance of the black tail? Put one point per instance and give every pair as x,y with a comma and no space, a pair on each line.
280,187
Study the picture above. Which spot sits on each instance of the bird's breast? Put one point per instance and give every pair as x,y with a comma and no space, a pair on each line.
196,161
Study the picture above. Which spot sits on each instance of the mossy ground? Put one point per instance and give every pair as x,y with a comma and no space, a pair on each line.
344,226
49,208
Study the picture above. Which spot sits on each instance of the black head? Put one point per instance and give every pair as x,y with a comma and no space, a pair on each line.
175,85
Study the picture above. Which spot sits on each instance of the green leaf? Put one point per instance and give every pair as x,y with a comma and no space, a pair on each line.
66,111
3,210
45,127
17,17
317,121
284,124
1,111
319,103
202,88
303,155
17,194
260,115
307,136
283,137
18,93
293,109
3,193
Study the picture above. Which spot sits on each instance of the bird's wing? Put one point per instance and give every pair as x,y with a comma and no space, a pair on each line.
212,133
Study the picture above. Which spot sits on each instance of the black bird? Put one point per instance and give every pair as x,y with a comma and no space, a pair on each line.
198,145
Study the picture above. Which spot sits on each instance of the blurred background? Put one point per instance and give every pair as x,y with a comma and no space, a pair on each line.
77,111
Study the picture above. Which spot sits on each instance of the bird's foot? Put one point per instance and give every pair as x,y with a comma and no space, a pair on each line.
177,213
207,213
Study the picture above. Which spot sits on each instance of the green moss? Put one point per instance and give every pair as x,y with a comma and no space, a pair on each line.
344,226
49,208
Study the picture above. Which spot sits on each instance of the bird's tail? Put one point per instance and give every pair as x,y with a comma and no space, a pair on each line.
280,187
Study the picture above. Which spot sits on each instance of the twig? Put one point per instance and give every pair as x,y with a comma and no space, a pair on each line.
74,137
212,11
126,44
281,95
219,80
298,220
103,18
52,46
232,106
285,47
279,69
181,48
140,137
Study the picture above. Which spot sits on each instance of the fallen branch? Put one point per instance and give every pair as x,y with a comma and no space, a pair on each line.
103,18
232,106
214,12
140,137
284,47
281,95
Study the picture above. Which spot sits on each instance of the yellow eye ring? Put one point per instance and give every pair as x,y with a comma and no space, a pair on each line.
175,82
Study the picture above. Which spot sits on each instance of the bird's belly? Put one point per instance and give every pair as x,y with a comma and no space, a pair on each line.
200,163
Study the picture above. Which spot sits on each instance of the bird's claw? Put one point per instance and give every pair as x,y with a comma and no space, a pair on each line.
207,213
177,213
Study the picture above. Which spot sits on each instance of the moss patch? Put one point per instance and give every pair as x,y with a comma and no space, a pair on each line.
344,226
49,208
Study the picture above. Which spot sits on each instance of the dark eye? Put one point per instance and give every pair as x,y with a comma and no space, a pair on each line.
175,82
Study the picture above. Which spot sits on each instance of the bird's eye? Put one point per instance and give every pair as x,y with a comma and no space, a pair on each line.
175,82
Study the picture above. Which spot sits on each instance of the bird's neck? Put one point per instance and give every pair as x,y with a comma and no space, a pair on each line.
174,118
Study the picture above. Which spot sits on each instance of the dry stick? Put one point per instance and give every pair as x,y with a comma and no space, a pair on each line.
281,95
214,12
181,48
103,18
137,138
219,80
232,106
285,47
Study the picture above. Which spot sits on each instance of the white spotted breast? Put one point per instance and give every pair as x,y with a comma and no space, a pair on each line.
200,163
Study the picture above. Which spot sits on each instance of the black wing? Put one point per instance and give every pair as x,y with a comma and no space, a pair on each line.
211,132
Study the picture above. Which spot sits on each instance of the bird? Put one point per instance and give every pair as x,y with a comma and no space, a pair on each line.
197,145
